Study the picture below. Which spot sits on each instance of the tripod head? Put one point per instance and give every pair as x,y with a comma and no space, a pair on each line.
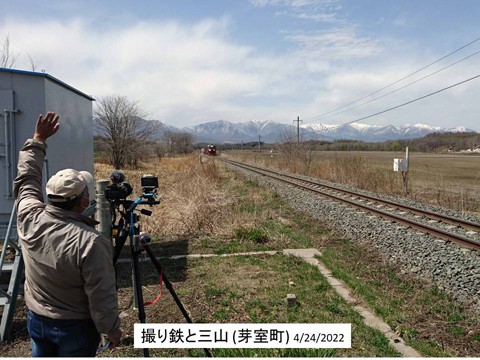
126,211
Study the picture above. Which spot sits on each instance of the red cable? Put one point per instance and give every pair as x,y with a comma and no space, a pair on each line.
159,293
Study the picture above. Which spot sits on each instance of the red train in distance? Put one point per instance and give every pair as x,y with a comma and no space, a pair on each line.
210,150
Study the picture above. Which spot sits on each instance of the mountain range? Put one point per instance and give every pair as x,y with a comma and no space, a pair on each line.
223,131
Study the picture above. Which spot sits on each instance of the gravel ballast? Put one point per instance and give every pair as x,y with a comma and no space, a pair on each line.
453,269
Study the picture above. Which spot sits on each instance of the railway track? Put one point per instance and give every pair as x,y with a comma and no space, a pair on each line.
441,226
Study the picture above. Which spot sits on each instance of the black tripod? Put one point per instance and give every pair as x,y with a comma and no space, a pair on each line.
126,228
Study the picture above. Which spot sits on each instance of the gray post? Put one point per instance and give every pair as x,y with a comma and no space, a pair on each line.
407,157
298,128
102,215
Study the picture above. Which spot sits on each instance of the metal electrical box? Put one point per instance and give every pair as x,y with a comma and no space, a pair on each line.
400,165
23,96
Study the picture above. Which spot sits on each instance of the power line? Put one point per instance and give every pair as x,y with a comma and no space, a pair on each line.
395,82
400,88
404,104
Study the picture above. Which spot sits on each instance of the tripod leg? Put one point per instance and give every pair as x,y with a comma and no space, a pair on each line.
119,242
169,286
138,292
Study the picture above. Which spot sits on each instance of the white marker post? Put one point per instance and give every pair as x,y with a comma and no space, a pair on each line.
402,165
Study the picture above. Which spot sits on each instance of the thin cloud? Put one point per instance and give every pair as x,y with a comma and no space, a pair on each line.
335,44
317,10
401,21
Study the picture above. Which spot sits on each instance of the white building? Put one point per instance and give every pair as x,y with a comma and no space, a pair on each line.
23,96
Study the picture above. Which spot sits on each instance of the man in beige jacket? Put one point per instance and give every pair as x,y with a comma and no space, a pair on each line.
70,283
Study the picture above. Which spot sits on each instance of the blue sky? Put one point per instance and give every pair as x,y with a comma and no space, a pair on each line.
188,62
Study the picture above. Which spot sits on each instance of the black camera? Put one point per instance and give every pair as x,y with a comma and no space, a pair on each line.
119,189
149,183
116,192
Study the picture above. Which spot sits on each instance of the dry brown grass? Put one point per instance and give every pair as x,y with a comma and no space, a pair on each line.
449,181
358,172
352,170
190,197
193,200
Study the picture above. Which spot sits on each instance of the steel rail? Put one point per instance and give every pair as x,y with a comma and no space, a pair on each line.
445,218
442,234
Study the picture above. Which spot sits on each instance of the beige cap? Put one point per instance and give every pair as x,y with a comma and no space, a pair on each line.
68,184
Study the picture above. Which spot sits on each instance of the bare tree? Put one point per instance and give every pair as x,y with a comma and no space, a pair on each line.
167,140
160,150
306,154
179,143
286,143
119,123
7,58
184,142
291,151
286,147
33,64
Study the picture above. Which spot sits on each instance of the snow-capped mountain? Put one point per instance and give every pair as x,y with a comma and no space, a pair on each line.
366,132
222,131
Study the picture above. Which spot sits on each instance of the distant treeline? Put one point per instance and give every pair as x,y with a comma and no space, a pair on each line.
435,142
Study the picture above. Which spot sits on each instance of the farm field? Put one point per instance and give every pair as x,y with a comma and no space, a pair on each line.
208,209
450,180
453,170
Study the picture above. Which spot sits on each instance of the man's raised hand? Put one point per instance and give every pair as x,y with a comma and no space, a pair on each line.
46,126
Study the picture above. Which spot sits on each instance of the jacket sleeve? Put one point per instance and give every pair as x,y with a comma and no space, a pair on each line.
99,277
27,186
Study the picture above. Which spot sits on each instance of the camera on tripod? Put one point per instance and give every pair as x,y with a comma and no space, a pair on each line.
128,228
149,184
118,192
119,189
125,215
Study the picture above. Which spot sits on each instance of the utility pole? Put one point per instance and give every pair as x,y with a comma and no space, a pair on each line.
259,142
298,128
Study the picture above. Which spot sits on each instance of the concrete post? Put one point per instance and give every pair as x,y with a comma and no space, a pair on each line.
103,215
